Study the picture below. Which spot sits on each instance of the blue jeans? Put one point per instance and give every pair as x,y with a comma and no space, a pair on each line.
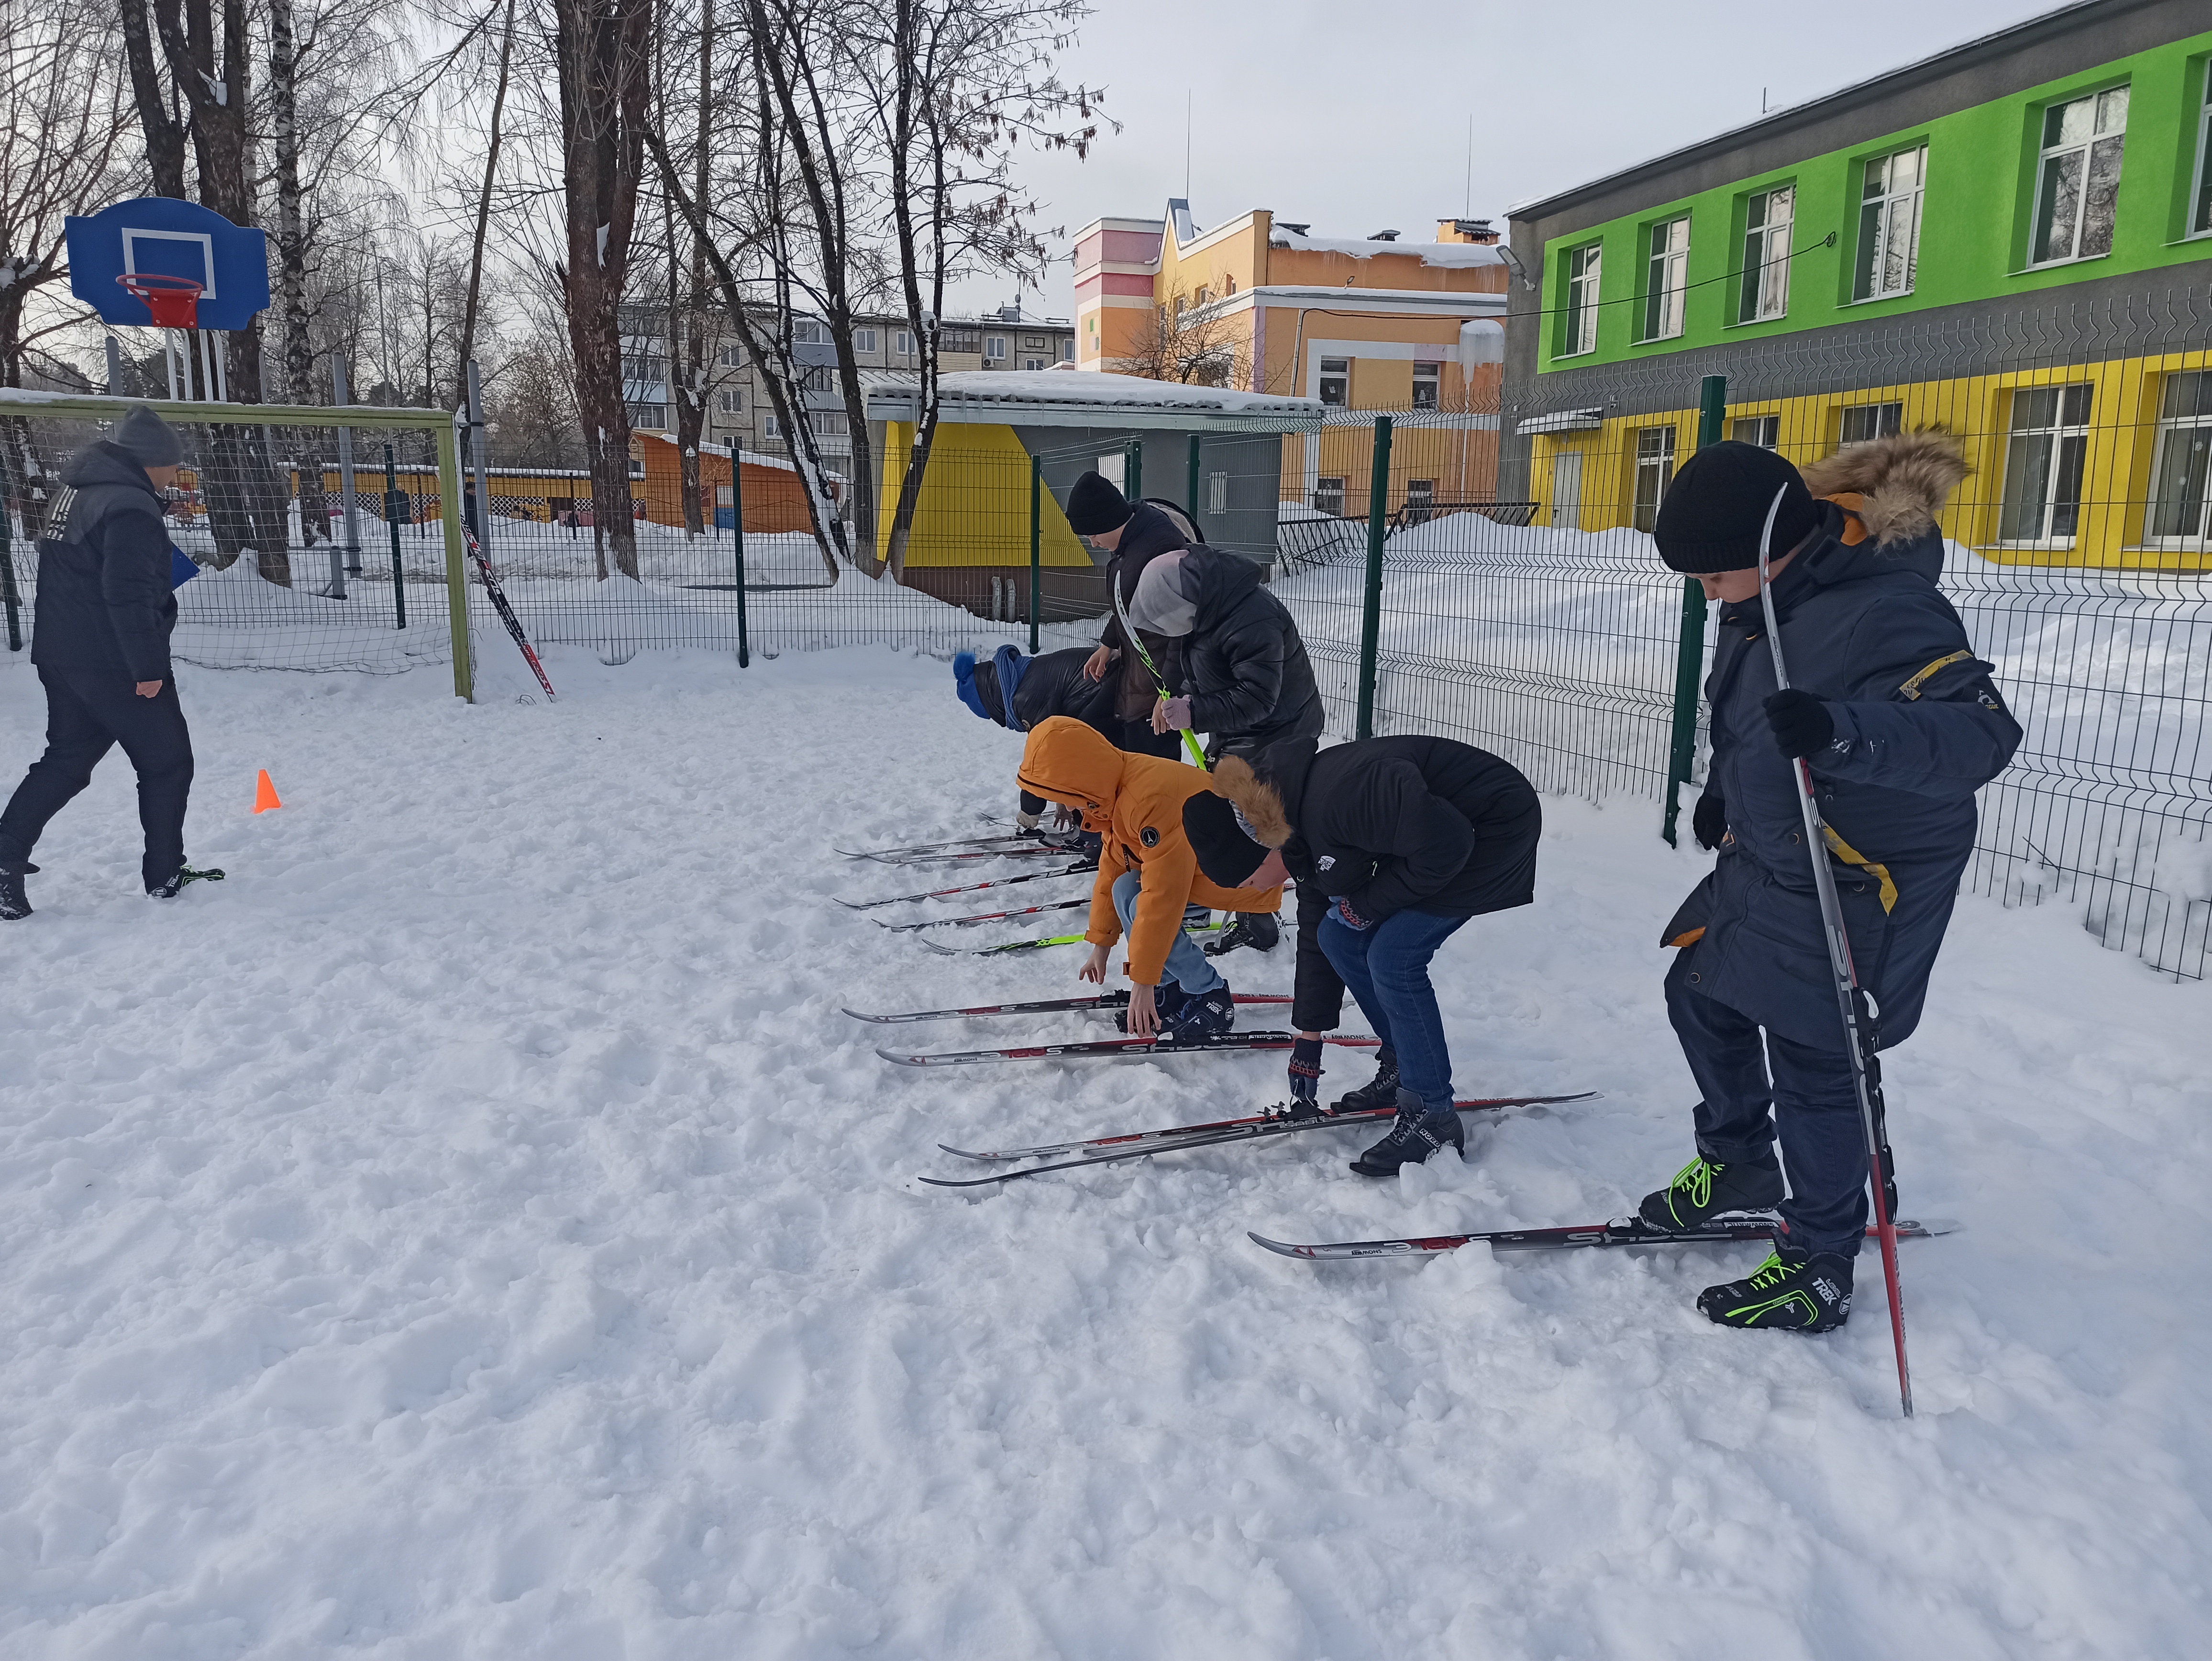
1811,1093
1187,967
1386,969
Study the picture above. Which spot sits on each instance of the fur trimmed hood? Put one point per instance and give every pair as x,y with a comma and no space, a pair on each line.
1894,486
1259,801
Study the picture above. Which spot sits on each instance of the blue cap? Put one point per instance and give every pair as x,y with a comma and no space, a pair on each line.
964,678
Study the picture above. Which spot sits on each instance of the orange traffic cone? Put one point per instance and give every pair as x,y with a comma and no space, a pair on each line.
265,794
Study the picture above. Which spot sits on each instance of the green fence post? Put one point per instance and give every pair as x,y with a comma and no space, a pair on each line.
8,572
738,547
1190,493
457,569
1690,651
1036,547
1370,619
394,505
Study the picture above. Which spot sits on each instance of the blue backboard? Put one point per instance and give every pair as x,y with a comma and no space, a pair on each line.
160,235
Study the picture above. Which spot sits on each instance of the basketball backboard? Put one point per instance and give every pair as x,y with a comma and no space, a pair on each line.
162,236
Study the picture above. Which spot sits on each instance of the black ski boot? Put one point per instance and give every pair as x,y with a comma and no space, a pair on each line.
1703,1190
1416,1133
1381,1090
1197,917
171,889
1257,929
1793,1291
13,901
1208,1015
1168,1000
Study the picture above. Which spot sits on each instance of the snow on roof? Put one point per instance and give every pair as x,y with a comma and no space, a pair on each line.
1119,391
1450,254
752,459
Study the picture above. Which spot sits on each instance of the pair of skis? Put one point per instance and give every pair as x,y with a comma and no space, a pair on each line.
1037,1006
1621,1232
1080,868
1125,1049
498,597
1012,844
1038,945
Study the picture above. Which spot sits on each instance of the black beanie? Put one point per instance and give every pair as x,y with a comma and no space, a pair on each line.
1712,514
1226,854
1094,506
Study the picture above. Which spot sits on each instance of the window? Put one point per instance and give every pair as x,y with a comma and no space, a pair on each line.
2181,501
731,357
1873,421
1328,496
826,423
1425,378
1767,217
642,366
864,340
903,341
1336,381
1889,224
1033,363
731,401
1583,275
960,340
1666,278
1764,431
806,333
1420,500
652,417
2043,465
1032,340
1655,471
994,348
2200,218
1067,349
1216,493
775,428
2079,185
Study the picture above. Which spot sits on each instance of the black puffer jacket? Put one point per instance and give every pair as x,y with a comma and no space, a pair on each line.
1148,534
1244,668
105,603
1389,825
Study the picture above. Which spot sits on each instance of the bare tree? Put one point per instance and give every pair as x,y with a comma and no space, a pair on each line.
1185,340
469,315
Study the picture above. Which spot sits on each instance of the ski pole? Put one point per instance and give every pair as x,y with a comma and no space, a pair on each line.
1857,1009
1160,682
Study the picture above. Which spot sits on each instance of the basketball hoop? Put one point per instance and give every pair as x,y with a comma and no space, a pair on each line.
173,301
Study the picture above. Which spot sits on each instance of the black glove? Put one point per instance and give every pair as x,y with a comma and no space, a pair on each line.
1800,722
1305,1069
1709,821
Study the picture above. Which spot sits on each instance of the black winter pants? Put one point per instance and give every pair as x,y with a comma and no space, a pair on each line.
86,714
1823,1142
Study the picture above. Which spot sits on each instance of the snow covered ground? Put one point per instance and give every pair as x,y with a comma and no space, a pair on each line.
472,1230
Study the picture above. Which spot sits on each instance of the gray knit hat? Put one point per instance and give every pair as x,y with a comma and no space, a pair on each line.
148,440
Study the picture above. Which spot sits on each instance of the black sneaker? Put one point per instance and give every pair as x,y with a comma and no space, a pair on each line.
1703,1190
171,889
1208,1015
15,903
1417,1132
1257,929
1381,1090
1792,1291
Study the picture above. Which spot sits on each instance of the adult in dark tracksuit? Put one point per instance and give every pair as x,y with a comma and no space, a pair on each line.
1018,692
1133,535
1394,845
1901,725
101,643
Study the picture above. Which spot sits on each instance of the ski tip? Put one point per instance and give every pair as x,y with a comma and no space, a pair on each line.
1280,1248
861,1015
1928,1227
898,1060
960,1182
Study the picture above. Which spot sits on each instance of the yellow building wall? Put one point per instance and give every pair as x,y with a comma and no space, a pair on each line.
2116,481
975,505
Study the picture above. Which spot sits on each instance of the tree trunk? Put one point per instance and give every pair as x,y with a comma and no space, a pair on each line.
291,228
165,138
484,213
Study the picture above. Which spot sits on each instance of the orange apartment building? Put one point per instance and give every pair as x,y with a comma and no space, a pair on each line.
1369,325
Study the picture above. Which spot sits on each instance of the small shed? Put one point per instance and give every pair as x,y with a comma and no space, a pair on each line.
970,543
774,498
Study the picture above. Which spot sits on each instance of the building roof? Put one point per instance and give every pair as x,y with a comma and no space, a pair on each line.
1055,397
1445,255
1949,61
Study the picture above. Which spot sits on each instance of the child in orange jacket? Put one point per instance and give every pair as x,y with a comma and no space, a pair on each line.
1147,874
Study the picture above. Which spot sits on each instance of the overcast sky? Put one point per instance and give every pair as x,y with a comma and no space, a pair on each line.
1352,114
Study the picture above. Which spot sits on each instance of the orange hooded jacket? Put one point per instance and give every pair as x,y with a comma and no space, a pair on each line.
1135,803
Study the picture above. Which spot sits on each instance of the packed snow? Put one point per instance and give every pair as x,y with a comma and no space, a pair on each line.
473,1229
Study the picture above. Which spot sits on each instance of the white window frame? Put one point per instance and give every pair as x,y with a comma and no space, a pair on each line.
2200,217
1666,278
1034,363
1764,431
903,342
1585,270
1764,295
1655,468
1428,378
1874,420
994,347
1889,219
1339,371
2067,433
864,340
1327,490
2195,388
2088,153
731,356
1067,349
731,400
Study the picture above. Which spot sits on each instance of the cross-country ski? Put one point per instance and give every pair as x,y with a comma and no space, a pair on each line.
1621,1232
981,918
1102,1000
1080,869
1120,1048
